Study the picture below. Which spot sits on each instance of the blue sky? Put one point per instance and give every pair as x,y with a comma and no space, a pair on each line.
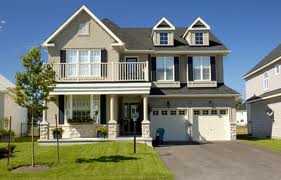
250,29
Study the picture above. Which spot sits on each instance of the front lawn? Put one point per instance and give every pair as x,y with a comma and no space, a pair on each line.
106,160
271,144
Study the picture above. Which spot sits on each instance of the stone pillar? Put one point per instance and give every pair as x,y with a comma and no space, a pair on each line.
44,125
113,129
145,124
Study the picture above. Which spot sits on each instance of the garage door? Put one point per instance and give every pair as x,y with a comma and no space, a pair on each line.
211,125
173,121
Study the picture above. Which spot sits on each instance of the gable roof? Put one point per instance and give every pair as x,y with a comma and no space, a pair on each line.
272,57
5,84
89,12
163,20
140,39
200,21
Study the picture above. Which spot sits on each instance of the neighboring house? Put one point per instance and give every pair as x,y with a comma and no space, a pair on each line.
163,77
241,117
263,94
8,108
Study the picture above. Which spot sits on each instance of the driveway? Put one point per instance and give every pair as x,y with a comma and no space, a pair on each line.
221,161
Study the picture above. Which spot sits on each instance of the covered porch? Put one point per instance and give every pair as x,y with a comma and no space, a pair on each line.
81,114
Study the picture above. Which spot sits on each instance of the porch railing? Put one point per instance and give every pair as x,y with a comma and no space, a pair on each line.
113,71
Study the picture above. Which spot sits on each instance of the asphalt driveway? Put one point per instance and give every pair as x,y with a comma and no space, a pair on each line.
221,161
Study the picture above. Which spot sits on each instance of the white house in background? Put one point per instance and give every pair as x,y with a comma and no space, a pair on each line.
241,118
263,96
8,108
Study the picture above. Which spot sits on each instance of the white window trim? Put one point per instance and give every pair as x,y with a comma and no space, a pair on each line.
265,81
87,28
198,44
277,68
165,74
201,69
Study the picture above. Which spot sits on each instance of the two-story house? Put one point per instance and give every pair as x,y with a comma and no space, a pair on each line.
160,77
263,95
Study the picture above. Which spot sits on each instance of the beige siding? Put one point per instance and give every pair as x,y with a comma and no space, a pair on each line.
191,37
260,123
1,106
69,38
254,84
156,38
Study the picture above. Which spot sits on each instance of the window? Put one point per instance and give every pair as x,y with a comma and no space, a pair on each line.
164,38
155,113
81,109
88,60
277,69
173,112
205,112
182,112
84,29
214,112
223,112
198,38
201,68
165,68
196,112
164,113
265,83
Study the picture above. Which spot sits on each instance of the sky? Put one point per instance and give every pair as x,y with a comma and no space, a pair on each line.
249,28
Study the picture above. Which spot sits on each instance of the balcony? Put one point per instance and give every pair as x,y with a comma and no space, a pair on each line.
113,71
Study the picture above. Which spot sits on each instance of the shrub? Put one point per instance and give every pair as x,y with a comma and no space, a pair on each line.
4,151
5,133
102,131
57,133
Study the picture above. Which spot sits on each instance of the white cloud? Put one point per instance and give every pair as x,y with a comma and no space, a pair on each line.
3,22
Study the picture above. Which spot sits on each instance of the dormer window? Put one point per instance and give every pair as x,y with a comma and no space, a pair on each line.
84,29
164,40
199,38
163,33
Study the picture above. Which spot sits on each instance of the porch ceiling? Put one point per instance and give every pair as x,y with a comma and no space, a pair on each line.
102,88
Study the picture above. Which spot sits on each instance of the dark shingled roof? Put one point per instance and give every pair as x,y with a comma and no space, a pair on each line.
140,39
275,53
266,94
221,90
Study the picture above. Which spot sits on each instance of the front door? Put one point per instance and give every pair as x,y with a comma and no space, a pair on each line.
131,111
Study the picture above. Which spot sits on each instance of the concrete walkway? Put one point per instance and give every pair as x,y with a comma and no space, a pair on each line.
221,161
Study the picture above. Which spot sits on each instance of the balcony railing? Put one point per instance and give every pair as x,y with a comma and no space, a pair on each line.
113,71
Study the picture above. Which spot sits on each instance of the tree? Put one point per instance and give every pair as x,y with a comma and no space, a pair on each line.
33,85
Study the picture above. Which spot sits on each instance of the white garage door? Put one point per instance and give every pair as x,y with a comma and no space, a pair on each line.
172,121
211,125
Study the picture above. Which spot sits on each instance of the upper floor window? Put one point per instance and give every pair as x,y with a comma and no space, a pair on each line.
164,38
199,38
165,68
201,68
277,69
84,29
265,81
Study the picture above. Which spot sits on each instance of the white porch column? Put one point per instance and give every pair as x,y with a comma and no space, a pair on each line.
145,124
112,123
44,125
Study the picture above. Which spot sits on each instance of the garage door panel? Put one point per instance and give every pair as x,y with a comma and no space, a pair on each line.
174,126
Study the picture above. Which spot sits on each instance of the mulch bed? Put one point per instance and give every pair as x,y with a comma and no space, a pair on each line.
29,168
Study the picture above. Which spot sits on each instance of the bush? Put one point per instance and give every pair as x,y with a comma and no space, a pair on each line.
4,152
102,131
4,135
57,133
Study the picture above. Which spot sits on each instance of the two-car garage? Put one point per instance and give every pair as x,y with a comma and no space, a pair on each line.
191,124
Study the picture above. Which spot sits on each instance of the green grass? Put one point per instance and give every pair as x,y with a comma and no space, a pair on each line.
270,144
107,160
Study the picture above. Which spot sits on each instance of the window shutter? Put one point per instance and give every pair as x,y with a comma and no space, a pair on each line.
103,55
63,56
213,68
61,109
177,68
103,109
153,68
190,68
